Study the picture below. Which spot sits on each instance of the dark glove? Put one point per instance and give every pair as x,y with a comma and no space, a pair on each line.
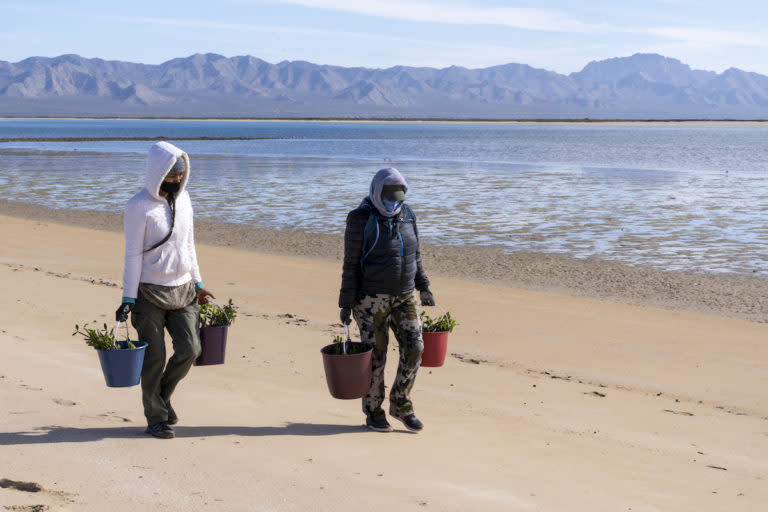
427,299
345,315
121,315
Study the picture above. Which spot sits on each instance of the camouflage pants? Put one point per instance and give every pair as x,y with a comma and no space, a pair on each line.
374,316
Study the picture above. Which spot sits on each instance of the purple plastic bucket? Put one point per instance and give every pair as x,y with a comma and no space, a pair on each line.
348,375
122,366
213,342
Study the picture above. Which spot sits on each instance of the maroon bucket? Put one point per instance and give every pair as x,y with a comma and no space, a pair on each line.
435,348
213,341
348,375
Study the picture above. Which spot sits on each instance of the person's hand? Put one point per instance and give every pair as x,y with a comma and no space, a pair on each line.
345,315
202,296
427,299
121,315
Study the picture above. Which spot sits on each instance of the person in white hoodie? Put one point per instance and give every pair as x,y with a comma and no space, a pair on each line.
161,281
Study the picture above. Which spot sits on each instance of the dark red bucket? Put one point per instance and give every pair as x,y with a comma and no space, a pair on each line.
348,375
213,341
435,348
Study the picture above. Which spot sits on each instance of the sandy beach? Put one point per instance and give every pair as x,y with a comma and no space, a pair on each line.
568,386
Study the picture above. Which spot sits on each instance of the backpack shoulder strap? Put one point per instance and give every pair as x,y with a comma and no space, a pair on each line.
370,233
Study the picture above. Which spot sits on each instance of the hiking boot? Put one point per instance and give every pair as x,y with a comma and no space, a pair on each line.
411,422
172,418
380,425
161,430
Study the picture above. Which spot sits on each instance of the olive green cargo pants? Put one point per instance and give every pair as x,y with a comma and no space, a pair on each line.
158,380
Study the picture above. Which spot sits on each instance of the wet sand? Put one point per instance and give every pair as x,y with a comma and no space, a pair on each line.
119,139
611,122
737,296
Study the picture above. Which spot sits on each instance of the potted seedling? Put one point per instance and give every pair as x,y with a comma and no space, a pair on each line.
121,361
214,324
434,332
347,367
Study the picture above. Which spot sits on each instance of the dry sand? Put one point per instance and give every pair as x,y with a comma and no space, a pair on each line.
547,402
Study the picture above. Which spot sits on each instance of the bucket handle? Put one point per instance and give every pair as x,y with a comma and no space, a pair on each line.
347,339
117,328
222,310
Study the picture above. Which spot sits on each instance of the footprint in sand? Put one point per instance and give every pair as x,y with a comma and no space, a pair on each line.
290,318
109,417
66,403
682,413
466,358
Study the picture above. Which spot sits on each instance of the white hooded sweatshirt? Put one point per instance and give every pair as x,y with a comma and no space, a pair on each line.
147,221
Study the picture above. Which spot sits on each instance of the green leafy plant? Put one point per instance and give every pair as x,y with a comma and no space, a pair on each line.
102,339
213,316
444,323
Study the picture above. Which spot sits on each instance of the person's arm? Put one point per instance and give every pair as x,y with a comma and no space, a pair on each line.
350,274
421,281
202,293
134,224
196,277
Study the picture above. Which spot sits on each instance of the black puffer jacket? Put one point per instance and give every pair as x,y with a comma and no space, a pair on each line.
390,268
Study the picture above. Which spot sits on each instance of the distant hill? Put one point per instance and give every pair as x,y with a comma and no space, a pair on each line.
643,86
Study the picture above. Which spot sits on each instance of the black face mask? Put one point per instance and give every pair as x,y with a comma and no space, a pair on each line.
170,188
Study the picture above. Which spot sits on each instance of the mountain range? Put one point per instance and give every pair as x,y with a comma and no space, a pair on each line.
642,86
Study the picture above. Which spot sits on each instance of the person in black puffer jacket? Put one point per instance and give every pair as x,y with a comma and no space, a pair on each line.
382,267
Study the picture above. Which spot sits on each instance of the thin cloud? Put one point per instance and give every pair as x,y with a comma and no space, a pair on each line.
522,18
705,38
245,27
241,27
528,19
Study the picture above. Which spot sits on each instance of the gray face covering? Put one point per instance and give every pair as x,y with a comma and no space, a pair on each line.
391,206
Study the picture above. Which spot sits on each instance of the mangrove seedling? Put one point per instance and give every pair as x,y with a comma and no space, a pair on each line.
212,315
444,323
102,339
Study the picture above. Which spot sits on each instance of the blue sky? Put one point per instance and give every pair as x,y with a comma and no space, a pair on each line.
561,36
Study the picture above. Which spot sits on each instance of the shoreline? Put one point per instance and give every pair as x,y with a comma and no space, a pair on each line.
606,122
729,295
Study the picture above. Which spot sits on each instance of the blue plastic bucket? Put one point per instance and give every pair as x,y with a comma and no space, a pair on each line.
122,366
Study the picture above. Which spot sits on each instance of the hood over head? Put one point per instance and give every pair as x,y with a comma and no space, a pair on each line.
387,176
161,158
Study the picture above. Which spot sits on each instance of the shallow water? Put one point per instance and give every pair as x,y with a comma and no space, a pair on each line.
677,197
